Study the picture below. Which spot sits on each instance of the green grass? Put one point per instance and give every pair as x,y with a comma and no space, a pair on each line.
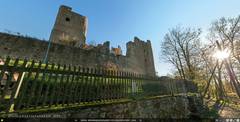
72,106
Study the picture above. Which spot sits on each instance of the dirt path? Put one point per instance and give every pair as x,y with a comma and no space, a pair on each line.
231,109
229,112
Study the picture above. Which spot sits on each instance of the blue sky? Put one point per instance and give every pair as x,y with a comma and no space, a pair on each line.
118,21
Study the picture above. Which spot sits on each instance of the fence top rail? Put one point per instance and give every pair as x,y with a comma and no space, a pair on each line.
15,65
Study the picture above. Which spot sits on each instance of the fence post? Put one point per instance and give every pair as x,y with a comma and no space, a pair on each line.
41,86
108,85
126,84
55,83
66,85
59,88
121,88
7,85
3,69
77,85
98,84
86,92
90,89
105,93
142,80
24,87
48,84
114,84
118,85
92,84
71,88
8,80
17,87
137,82
82,85
101,84
133,85
34,84
129,87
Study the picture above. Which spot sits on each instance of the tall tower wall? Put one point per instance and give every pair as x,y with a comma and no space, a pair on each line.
140,57
70,28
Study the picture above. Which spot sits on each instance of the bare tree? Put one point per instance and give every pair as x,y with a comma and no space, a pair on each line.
180,47
227,31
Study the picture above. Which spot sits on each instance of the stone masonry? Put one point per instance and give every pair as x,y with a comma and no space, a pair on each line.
138,59
70,28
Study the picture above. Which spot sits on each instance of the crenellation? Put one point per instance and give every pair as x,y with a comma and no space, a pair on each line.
65,8
117,51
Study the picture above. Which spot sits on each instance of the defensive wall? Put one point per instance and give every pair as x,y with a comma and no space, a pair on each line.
138,57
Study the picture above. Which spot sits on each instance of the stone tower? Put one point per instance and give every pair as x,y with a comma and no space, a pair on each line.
70,28
140,57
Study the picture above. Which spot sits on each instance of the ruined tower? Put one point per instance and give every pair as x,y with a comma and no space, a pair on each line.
70,28
140,57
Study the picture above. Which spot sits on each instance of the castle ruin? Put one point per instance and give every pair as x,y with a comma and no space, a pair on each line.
70,28
69,47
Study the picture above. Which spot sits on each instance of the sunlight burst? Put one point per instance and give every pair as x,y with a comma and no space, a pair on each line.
221,55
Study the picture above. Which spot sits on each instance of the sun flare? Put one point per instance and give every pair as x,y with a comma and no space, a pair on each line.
221,54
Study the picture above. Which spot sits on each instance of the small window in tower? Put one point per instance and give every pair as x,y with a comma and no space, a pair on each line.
67,19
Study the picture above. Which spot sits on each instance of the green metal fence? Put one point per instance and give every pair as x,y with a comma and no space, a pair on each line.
32,85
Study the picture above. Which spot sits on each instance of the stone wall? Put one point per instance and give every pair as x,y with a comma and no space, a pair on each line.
70,28
165,107
139,58
168,107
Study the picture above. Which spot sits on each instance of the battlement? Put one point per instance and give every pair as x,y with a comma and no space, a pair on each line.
66,8
116,51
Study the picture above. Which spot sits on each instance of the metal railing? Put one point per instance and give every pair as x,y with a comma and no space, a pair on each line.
31,85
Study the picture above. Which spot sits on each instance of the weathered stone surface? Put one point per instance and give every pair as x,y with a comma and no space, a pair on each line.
167,107
70,28
139,58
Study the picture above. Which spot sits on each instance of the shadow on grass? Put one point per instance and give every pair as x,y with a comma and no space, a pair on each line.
215,109
219,105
